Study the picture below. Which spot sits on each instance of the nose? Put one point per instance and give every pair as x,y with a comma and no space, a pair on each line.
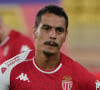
53,34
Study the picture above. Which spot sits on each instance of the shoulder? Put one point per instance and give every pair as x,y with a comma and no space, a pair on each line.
19,36
16,60
22,36
27,60
75,65
67,60
72,64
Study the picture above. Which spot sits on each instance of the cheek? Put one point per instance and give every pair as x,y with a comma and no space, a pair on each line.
61,40
41,38
60,43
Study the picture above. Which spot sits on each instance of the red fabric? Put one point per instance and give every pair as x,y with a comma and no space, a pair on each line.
1,54
14,45
97,74
36,80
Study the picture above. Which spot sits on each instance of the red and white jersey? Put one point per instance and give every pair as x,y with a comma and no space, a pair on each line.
7,66
68,75
14,44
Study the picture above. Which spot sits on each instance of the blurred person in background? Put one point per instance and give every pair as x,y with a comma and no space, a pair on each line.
12,42
49,69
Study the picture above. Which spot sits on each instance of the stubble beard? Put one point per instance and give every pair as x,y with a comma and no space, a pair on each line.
48,53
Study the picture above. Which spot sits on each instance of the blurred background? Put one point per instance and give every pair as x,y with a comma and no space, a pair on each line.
82,43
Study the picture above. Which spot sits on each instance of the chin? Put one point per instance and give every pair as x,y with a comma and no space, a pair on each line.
48,53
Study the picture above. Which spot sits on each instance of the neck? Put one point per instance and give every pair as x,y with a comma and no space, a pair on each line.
47,62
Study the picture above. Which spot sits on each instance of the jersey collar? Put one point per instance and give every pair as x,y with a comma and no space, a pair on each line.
46,71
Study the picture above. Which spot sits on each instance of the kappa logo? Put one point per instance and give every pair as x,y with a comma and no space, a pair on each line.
97,85
67,83
3,69
23,77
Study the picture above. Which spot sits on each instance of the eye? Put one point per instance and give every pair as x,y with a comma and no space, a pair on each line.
60,29
46,27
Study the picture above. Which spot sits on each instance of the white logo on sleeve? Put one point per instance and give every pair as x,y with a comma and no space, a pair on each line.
23,77
24,48
97,85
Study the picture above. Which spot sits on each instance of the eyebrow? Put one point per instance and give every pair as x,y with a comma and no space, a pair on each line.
45,25
51,26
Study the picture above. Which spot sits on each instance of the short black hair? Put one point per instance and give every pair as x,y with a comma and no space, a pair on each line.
51,9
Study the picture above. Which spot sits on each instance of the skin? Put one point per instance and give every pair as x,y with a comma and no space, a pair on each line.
4,31
51,28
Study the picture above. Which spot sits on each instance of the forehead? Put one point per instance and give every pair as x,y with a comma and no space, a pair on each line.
53,20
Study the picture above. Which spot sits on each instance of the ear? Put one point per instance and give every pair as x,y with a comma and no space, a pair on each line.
34,31
66,35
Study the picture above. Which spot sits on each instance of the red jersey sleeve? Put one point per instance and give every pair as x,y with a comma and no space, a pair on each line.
87,81
20,43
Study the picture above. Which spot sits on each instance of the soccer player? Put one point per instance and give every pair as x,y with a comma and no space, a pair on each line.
12,42
49,69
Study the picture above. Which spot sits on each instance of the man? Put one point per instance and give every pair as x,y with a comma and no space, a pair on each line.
12,42
49,69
